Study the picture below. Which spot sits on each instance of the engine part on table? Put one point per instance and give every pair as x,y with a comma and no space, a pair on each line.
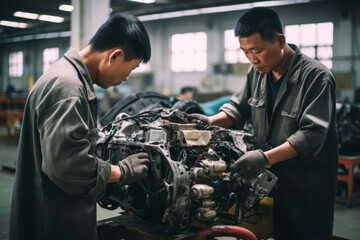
200,191
204,214
188,177
148,100
348,128
209,169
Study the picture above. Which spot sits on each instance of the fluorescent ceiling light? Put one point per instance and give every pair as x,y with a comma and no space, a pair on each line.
66,7
219,9
226,8
143,1
49,18
26,15
13,24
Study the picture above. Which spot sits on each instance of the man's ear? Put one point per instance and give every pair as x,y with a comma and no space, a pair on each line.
115,53
281,39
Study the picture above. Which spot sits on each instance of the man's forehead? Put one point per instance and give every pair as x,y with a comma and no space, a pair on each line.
251,42
250,47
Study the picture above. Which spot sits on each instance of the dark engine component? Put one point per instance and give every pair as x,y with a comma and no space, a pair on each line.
189,176
348,128
148,100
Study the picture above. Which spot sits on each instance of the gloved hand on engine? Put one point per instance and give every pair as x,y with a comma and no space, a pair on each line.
198,116
133,168
251,164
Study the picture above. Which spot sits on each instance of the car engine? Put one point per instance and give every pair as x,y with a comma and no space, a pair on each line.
189,174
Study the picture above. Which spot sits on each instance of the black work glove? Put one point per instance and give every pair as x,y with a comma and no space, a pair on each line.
133,168
198,116
251,164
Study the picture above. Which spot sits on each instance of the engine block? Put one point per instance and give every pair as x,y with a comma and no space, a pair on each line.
188,177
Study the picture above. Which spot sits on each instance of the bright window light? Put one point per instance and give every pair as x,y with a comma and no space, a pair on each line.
308,34
13,24
314,40
16,64
310,51
143,68
66,8
26,15
325,52
325,33
143,1
49,18
188,52
233,53
50,55
292,33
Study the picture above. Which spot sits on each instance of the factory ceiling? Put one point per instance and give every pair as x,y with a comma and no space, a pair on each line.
51,7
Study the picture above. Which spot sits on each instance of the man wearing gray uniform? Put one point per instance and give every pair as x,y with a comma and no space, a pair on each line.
58,178
291,101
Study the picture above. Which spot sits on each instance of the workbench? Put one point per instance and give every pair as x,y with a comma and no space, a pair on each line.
11,121
350,162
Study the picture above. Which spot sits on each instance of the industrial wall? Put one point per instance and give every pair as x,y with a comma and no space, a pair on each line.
346,48
32,47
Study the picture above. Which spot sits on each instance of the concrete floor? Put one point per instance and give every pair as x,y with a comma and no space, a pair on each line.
346,223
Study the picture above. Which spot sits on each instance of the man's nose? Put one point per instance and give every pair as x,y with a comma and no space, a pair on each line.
253,59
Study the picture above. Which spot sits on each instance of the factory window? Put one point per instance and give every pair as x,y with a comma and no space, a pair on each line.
50,55
16,64
314,40
188,52
143,68
233,53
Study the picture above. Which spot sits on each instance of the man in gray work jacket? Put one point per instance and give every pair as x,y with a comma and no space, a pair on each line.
291,101
58,179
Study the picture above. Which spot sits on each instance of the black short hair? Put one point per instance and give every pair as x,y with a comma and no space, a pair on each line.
264,21
125,31
186,89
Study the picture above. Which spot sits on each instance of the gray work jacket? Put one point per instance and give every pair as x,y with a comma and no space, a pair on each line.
304,115
58,179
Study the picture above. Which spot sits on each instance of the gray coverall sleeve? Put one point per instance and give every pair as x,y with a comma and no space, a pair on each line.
315,119
238,110
67,144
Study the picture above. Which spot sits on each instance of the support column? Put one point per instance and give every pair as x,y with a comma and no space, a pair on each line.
86,18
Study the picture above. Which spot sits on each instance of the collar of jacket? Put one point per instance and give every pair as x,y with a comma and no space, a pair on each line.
293,72
74,58
292,76
295,66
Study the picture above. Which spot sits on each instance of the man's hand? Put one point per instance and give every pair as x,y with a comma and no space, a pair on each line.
198,116
251,164
133,168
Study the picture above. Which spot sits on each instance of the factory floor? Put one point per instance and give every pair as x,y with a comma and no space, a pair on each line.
346,222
